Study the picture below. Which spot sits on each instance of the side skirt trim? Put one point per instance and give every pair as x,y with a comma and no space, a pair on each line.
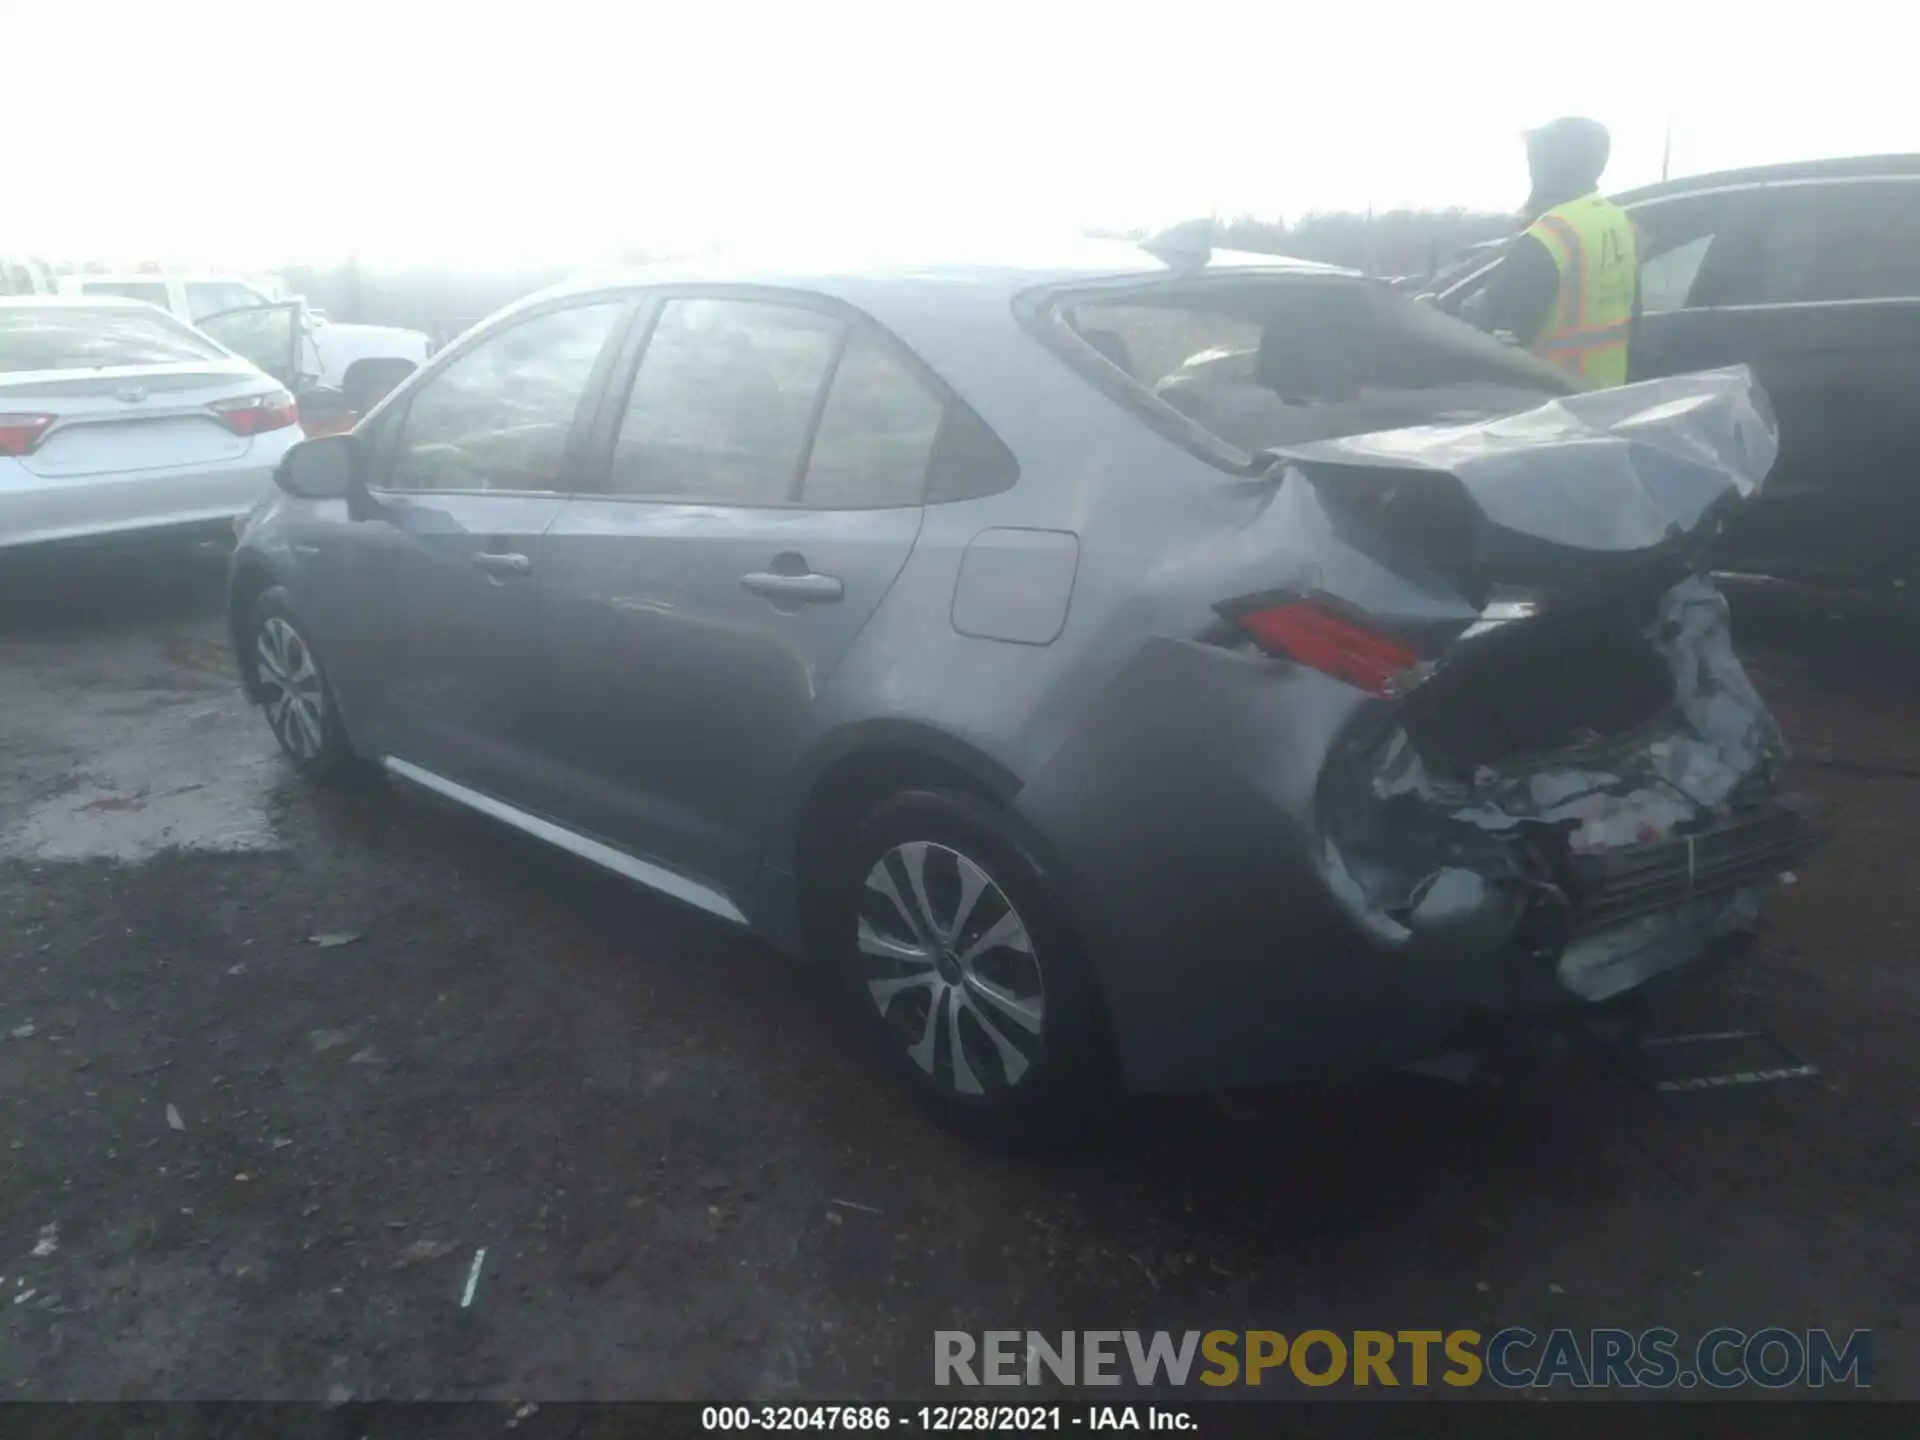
653,876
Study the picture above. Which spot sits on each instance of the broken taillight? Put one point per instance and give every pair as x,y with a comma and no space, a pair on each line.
20,433
1313,635
257,414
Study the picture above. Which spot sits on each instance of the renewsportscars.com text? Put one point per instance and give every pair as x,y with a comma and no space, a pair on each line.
1513,1358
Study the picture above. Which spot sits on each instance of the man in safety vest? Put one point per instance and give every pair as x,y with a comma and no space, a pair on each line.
1569,287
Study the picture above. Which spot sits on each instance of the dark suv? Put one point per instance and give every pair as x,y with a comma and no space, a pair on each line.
1810,273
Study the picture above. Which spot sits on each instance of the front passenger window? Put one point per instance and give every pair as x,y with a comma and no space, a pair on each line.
499,416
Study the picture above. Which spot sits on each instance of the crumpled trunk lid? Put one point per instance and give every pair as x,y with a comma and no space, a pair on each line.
1568,498
1580,738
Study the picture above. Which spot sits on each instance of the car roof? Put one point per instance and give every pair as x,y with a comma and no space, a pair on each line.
994,276
75,302
152,277
1851,167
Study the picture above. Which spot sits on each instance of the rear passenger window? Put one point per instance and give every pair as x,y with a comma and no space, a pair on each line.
876,433
1856,241
723,402
970,461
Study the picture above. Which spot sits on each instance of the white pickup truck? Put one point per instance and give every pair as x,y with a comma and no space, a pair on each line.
299,346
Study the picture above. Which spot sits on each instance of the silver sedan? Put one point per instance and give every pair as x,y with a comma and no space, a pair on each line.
118,420
1117,672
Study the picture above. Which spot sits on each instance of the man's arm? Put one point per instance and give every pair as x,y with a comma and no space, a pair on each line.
1522,292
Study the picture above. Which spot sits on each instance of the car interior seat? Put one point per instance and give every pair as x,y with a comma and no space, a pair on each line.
1306,358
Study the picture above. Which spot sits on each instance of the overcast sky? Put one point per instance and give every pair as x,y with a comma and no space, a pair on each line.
417,130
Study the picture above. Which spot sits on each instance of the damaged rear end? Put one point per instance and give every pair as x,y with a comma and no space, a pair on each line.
1424,717
1561,766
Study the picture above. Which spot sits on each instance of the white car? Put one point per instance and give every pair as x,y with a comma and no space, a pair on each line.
21,275
362,362
118,420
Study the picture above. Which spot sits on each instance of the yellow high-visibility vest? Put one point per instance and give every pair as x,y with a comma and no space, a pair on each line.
1592,244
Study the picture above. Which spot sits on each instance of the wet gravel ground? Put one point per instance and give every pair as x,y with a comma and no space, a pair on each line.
275,1066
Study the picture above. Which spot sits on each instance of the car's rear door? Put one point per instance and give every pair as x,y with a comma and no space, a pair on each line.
469,469
763,489
1816,286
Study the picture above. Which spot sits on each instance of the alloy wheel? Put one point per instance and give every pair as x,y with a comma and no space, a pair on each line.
296,699
950,965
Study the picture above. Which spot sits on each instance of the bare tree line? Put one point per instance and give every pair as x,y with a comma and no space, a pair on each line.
443,301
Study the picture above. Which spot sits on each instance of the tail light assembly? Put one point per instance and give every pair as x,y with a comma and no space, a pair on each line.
257,414
1310,633
20,433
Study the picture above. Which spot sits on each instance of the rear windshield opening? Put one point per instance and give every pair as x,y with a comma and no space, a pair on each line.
1267,361
72,337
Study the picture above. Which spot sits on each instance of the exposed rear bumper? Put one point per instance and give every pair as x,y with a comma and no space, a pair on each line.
1249,921
37,511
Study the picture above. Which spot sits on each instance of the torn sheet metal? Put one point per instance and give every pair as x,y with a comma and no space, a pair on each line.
1611,962
1647,849
1610,471
1723,734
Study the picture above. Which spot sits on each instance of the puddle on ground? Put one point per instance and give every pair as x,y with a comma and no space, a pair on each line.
104,764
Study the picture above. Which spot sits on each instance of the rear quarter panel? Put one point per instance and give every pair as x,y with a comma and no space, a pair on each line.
1179,831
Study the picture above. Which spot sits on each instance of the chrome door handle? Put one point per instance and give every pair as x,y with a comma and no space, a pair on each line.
497,563
794,589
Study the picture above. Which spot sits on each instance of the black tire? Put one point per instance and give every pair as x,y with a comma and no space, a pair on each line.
1058,1075
310,732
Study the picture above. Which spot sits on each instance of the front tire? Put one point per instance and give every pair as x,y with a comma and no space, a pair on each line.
962,973
294,693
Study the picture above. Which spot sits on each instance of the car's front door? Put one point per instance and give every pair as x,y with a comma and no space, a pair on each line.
468,470
266,334
764,489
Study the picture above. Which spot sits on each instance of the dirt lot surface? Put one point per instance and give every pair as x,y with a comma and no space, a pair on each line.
275,1066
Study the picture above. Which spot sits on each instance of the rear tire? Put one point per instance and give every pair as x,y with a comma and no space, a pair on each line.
962,974
292,689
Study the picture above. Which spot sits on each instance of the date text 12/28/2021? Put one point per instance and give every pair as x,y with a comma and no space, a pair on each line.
945,1419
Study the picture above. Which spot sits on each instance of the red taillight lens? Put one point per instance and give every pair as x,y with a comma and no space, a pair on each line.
20,433
1313,635
257,414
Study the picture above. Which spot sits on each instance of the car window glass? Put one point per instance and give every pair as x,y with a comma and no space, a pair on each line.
876,433
499,416
210,297
266,336
1667,279
1843,242
725,395
1259,361
153,292
970,460
80,337
1151,343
